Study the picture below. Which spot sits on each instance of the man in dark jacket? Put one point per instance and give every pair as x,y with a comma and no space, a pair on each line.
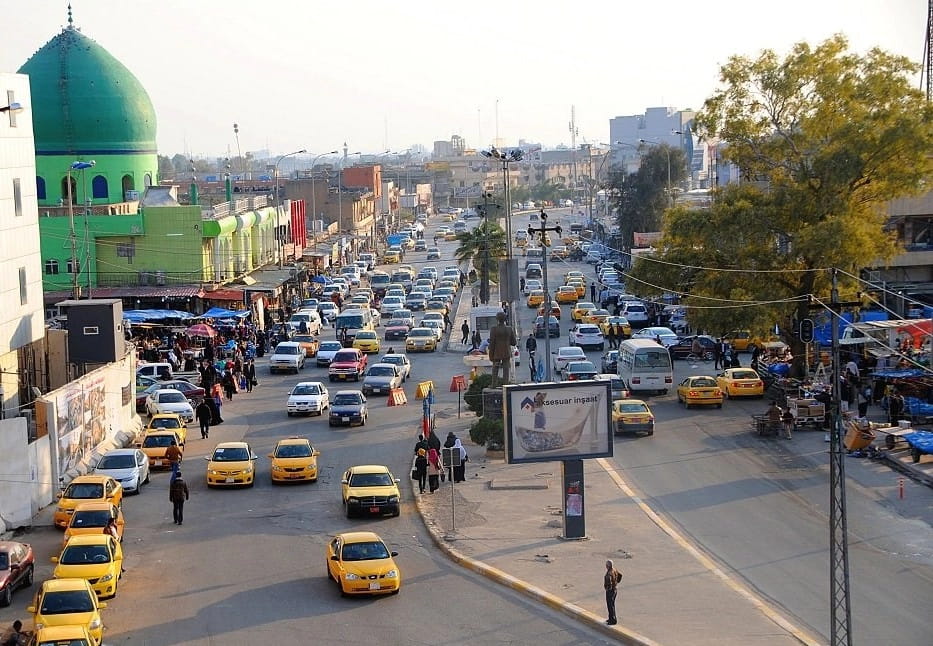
178,494
249,371
203,413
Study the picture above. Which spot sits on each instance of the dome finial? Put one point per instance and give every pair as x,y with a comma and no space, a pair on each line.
71,21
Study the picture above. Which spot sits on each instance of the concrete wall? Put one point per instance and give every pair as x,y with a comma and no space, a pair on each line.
24,487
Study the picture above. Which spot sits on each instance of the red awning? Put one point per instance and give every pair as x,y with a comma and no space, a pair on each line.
225,295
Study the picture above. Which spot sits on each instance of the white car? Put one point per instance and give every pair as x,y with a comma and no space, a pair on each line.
667,335
326,352
587,335
288,356
129,467
328,310
432,316
391,303
436,326
635,312
533,285
310,318
381,378
310,397
565,355
401,362
168,400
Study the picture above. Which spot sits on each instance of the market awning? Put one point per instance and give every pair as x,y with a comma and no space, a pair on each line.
225,295
139,316
221,313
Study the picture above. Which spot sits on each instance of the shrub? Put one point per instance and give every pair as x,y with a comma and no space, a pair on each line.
474,394
487,432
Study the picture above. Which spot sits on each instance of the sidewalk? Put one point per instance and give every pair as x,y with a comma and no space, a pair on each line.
508,527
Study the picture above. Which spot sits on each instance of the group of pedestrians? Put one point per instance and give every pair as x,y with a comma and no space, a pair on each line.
428,468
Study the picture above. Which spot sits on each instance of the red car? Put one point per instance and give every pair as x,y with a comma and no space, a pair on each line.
348,363
17,563
192,393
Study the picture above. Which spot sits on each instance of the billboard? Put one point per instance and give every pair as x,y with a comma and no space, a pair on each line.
557,421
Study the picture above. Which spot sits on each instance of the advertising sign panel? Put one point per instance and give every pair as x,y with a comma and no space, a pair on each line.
557,421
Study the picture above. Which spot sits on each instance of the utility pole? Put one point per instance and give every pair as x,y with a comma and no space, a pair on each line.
484,279
542,231
573,149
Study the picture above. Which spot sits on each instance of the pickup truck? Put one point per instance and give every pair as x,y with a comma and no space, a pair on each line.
346,364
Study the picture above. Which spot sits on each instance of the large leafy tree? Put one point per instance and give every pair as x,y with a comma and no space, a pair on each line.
824,138
472,247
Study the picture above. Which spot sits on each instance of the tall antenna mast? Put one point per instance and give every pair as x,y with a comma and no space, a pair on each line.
573,148
928,53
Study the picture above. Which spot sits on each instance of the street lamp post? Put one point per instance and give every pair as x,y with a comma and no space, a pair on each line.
543,229
75,289
279,232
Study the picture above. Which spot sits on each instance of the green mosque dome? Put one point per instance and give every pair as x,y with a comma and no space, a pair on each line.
85,101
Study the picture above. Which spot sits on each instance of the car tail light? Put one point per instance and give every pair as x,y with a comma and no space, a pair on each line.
759,384
667,380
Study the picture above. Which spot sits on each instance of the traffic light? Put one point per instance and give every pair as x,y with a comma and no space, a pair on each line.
806,330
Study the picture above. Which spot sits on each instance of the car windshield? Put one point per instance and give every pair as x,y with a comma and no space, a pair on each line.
397,323
570,353
116,462
350,357
95,518
306,389
371,480
390,359
174,397
366,335
286,349
293,451
589,329
347,399
157,441
66,601
582,366
303,338
652,359
84,555
236,454
421,332
4,561
744,374
364,551
633,408
350,321
381,371
330,346
84,491
703,382
164,422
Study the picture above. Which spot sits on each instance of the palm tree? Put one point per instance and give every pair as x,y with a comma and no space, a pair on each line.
473,245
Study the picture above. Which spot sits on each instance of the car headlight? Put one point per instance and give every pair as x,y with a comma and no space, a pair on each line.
393,498
94,625
353,499
213,472
105,578
392,574
39,626
276,467
351,577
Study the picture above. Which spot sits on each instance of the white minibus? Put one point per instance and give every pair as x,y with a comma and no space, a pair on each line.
645,366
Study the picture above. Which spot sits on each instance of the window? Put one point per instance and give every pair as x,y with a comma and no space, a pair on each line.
51,267
99,188
40,188
74,266
10,100
147,180
17,198
23,294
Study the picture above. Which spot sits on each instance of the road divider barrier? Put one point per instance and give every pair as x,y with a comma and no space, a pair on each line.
397,397
424,388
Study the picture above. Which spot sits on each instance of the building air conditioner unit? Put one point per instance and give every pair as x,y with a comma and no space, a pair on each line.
143,278
131,196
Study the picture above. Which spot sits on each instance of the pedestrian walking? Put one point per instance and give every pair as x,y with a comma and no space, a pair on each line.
476,339
611,583
173,455
465,330
434,442
895,407
434,470
612,337
460,471
229,384
178,494
421,444
521,285
593,291
447,322
203,413
787,419
249,371
421,469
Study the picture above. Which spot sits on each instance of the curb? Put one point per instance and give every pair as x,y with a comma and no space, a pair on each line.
907,470
618,632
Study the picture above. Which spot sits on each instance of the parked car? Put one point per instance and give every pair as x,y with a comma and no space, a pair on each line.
129,467
17,565
68,602
740,382
348,408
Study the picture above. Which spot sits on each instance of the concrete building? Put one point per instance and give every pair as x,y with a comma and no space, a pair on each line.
658,125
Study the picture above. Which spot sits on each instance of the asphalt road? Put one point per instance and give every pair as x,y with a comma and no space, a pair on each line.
760,507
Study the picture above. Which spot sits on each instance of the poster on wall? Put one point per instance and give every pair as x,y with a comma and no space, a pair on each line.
557,421
81,418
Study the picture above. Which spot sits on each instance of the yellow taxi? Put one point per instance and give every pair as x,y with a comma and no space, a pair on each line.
521,243
632,416
309,343
408,244
566,294
597,317
168,422
620,321
367,341
559,253
361,563
97,558
89,488
581,309
93,518
448,217
555,310
574,274
391,257
370,489
294,459
231,464
740,382
437,305
56,635
450,236
699,390
155,444
68,602
579,285
535,298
745,341
421,339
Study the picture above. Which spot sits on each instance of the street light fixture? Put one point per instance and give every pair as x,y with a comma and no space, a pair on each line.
542,230
279,231
75,289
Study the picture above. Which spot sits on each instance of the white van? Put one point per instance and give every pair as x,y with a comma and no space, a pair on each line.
353,321
155,370
645,366
310,317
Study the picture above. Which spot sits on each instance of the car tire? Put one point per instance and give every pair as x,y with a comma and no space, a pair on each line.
6,597
290,414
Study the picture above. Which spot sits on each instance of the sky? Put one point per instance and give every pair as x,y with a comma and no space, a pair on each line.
308,74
